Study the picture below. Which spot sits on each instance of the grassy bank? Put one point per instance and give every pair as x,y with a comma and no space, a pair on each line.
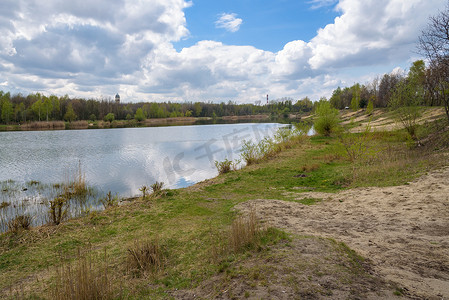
183,242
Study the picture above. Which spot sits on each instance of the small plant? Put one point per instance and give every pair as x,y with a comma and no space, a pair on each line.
19,222
144,189
58,210
157,187
145,257
109,201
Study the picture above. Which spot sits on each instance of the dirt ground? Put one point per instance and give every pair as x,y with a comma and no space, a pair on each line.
402,230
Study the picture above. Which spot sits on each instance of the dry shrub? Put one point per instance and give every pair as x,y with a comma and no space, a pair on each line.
86,278
58,210
19,222
145,257
245,232
157,187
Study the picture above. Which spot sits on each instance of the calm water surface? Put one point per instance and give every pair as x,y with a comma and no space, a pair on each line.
122,160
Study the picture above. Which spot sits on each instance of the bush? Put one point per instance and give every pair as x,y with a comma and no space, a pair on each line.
58,210
327,119
157,187
225,166
109,201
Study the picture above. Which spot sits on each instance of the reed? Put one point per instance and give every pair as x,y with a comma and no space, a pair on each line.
78,125
51,125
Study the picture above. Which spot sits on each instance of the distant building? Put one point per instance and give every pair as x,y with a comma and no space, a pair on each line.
117,98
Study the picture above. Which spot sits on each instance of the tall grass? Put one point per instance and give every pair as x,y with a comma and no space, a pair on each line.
145,257
245,232
87,278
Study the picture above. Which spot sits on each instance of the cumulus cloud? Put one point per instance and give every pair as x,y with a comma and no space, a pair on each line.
88,48
230,22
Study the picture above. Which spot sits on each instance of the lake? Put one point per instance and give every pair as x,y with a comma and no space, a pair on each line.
118,160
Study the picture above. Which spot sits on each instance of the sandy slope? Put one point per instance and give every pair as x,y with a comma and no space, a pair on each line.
403,230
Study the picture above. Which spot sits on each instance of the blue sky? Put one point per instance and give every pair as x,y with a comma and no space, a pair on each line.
179,50
266,25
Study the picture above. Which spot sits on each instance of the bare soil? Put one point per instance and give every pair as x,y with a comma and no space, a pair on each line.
402,230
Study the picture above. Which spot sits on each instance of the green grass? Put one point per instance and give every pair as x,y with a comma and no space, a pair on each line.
192,223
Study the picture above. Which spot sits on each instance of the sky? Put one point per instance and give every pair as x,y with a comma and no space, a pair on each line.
203,50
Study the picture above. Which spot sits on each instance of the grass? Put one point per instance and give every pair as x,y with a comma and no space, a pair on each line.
195,225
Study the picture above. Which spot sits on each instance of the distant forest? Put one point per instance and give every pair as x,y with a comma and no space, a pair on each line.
377,93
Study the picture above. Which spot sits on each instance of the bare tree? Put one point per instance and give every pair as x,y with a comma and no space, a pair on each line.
434,44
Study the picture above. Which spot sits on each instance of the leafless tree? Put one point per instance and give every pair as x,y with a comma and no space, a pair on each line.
434,44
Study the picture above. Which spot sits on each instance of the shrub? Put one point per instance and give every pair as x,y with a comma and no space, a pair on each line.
327,119
109,201
144,190
58,210
226,166
157,187
109,117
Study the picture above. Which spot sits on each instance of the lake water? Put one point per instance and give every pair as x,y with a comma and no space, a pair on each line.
120,160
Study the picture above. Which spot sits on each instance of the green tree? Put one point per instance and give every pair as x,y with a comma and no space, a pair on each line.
109,117
370,106
327,119
70,115
197,108
7,110
47,107
139,115
355,102
405,103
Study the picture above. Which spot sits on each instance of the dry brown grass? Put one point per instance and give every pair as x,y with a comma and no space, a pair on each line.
244,232
309,168
145,257
86,278
18,223
51,125
78,125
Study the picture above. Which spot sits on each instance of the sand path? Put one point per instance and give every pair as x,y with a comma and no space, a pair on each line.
403,230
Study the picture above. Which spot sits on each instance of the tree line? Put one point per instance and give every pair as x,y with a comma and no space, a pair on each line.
38,107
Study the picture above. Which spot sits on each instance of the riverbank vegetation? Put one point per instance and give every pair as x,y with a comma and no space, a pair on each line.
174,244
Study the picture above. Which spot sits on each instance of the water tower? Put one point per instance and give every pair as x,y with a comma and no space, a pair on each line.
117,98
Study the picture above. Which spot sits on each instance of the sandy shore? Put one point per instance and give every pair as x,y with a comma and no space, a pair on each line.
402,230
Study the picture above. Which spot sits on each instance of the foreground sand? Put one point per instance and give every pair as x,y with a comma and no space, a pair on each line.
402,230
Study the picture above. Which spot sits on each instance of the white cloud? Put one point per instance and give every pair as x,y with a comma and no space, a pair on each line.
230,22
89,48
322,3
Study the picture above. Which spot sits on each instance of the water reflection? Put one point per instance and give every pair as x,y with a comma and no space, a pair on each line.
122,160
